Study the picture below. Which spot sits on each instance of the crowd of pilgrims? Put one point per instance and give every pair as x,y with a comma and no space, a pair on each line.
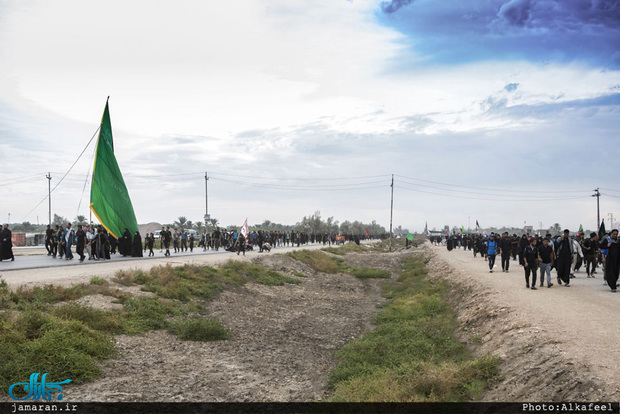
565,253
98,244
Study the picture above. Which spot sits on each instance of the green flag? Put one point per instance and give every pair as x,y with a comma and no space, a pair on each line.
109,198
463,229
410,236
581,229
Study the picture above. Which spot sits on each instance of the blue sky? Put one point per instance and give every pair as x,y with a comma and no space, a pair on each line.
501,111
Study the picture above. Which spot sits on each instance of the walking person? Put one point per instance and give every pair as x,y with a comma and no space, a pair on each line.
590,250
150,245
136,245
505,247
48,239
612,262
69,236
530,263
80,237
491,246
564,255
240,244
546,256
6,244
166,237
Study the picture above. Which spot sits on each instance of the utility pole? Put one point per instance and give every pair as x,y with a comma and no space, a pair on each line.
611,221
391,211
49,196
597,194
206,199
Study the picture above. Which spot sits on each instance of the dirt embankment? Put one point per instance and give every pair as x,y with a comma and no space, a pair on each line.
281,348
548,354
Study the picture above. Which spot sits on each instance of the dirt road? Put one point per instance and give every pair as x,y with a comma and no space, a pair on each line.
580,324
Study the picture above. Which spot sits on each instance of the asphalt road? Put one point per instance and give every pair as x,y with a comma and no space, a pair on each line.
29,259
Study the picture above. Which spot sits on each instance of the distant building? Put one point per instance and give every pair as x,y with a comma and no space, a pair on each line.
528,229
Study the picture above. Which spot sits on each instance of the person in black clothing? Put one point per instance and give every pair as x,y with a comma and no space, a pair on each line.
505,245
149,241
546,257
564,254
136,250
166,236
530,263
6,244
80,235
241,244
590,248
48,240
125,243
522,245
612,262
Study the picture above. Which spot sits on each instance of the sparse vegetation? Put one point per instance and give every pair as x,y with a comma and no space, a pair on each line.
334,250
319,261
413,354
42,329
199,329
96,280
366,273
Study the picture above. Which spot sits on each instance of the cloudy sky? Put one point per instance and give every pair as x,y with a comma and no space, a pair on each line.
501,111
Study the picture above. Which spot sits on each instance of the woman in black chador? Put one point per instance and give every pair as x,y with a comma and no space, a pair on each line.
136,250
124,243
6,244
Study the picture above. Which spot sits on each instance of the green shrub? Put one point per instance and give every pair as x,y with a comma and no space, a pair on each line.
199,329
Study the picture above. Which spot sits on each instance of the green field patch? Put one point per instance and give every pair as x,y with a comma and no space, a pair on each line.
413,353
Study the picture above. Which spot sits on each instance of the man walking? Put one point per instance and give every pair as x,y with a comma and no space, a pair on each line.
491,246
505,246
546,256
530,259
68,237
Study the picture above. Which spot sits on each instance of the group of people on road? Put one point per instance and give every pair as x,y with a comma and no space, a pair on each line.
96,242
565,253
92,240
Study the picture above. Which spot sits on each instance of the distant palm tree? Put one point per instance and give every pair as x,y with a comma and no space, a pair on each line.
80,220
181,221
198,226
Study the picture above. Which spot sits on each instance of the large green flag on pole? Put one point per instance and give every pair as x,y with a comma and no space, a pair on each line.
109,198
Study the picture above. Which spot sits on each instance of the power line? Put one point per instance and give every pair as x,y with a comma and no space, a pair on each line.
305,188
529,196
489,189
63,177
487,199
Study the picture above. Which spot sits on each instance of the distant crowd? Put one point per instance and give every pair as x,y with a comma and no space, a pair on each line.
96,243
565,253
